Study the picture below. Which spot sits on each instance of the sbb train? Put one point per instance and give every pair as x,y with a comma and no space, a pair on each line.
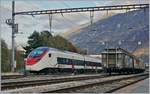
51,60
120,61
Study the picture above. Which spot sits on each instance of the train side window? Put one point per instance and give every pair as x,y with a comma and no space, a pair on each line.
67,60
49,55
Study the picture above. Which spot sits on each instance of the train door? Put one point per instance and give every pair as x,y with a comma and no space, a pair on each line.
72,65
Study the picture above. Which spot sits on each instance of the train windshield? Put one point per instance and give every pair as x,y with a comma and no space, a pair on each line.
37,52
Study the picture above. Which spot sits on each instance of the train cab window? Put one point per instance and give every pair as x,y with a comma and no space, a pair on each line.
49,55
38,52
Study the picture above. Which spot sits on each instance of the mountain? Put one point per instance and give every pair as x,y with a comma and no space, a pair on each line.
126,30
79,28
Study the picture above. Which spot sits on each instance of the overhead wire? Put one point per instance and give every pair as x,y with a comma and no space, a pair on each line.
68,6
64,16
71,7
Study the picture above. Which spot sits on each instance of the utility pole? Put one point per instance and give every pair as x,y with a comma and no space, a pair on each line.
91,19
107,53
50,23
11,22
13,36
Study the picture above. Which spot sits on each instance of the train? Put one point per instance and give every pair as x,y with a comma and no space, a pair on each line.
118,60
50,60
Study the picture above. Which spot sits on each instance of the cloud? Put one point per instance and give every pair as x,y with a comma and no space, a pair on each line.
27,24
118,2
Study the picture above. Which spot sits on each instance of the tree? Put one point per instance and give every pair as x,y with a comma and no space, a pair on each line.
82,51
33,42
63,44
19,57
45,38
5,57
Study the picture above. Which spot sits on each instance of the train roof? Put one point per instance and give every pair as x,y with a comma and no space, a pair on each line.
54,50
57,50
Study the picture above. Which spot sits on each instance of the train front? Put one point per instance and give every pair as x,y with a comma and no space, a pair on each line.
34,61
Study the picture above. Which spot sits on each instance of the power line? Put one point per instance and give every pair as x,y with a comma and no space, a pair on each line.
65,17
84,9
71,7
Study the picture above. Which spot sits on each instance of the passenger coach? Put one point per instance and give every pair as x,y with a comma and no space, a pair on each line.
50,60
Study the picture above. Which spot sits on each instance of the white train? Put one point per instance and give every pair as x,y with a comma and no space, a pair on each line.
51,60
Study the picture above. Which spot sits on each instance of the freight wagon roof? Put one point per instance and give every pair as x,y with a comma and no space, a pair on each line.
118,50
115,50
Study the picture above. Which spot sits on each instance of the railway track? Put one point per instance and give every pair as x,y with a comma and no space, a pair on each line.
105,86
81,85
3,77
38,82
127,83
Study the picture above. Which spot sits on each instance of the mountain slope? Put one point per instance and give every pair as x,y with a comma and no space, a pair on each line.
126,28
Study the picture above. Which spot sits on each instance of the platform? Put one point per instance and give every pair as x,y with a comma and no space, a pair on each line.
10,73
140,87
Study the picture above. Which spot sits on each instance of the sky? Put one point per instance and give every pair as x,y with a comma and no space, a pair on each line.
28,24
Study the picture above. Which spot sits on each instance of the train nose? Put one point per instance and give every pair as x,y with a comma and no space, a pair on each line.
31,61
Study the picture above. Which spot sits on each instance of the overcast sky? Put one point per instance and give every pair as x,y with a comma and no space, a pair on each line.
27,24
